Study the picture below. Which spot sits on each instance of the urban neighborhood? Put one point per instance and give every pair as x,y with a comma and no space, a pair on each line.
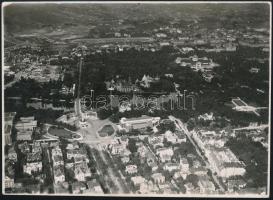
136,99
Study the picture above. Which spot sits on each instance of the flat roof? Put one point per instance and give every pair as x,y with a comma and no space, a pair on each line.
143,117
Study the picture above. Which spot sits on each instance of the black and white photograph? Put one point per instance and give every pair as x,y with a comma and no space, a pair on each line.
137,99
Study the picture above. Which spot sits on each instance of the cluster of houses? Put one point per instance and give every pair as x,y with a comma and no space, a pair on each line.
74,160
161,160
71,161
180,167
33,163
221,46
122,85
40,73
147,80
77,162
58,165
146,44
255,38
127,86
69,164
204,65
217,39
206,117
222,160
159,153
260,136
143,185
32,64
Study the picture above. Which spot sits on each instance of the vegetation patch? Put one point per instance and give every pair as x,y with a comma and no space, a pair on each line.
106,130
62,133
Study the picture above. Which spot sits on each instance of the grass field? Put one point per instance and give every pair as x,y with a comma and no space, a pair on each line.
60,132
106,130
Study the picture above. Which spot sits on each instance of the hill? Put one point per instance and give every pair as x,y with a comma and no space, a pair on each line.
24,17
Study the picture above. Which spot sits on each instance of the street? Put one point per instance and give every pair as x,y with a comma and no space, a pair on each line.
111,173
182,127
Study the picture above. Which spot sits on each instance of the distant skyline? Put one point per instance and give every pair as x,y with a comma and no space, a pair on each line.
56,14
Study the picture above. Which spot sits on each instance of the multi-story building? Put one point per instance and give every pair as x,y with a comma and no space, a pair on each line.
197,64
24,135
9,119
139,122
158,178
224,162
58,165
25,127
26,124
165,154
33,163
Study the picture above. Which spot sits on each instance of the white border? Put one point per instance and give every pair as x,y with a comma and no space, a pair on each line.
141,2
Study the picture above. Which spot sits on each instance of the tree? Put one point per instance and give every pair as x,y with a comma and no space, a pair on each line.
191,124
166,125
193,179
132,145
104,113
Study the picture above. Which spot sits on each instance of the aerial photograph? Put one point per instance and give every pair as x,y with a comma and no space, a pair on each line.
136,99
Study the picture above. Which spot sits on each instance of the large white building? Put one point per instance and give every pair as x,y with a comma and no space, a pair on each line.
225,163
139,122
197,64
222,159
26,124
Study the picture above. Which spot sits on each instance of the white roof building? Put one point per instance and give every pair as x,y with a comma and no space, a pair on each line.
225,163
165,154
131,169
139,122
158,178
137,180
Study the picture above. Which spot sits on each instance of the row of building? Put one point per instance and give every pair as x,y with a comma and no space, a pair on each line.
222,160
